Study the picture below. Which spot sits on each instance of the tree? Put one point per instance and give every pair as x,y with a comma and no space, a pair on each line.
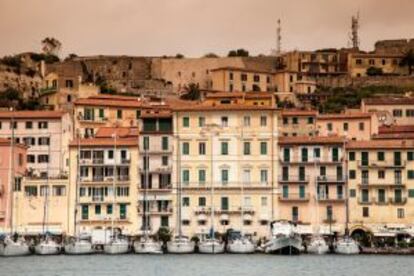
238,53
192,92
71,56
211,55
179,55
408,60
374,71
164,234
51,46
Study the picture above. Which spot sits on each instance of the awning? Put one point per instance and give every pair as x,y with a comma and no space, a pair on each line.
224,217
36,230
202,217
247,217
155,197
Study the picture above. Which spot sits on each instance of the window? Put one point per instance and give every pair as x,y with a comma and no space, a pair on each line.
97,209
352,174
256,78
31,158
397,112
224,148
339,192
243,77
400,213
225,203
186,122
69,83
295,120
381,174
224,121
186,148
119,114
409,113
224,176
302,173
231,75
246,176
411,193
201,201
351,156
301,191
246,121
335,154
85,212
286,155
329,126
29,125
202,176
14,125
186,202
137,114
295,213
186,176
164,160
310,120
263,176
109,209
59,190
410,155
345,126
164,143
304,154
263,121
246,148
30,190
164,221
317,153
201,121
201,148
111,154
364,158
43,141
352,193
380,156
381,196
365,212
361,126
42,125
122,211
285,121
43,158
329,213
263,148
410,174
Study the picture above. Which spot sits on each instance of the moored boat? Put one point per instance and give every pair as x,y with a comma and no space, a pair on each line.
347,246
180,245
318,246
285,239
147,246
47,246
10,247
241,245
116,246
79,247
211,246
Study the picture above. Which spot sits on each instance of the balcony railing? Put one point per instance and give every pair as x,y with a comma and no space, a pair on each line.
382,164
294,197
398,200
294,179
331,178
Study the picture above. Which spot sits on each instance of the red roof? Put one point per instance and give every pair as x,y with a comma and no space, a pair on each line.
38,114
345,116
7,142
311,140
396,129
381,144
104,142
107,132
298,112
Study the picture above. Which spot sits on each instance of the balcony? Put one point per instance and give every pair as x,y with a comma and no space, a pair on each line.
163,188
371,184
156,169
98,161
331,179
125,161
310,161
366,201
97,120
294,179
156,211
382,164
294,197
101,178
327,199
398,200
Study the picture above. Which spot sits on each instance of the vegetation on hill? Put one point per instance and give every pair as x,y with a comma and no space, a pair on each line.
13,98
408,60
338,99
192,92
238,53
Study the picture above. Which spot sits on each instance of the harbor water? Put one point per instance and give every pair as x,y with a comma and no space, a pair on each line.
183,265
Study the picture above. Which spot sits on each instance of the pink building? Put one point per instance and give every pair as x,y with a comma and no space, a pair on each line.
6,201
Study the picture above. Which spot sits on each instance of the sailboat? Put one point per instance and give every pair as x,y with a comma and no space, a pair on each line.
347,245
317,244
13,245
211,245
180,244
285,239
47,246
147,245
116,245
78,245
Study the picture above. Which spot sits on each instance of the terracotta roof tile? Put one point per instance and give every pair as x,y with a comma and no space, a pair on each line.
396,129
389,101
298,112
131,103
381,144
104,142
38,114
308,140
107,132
222,107
343,116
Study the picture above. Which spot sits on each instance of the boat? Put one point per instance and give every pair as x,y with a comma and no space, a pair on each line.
285,239
241,245
10,247
147,246
116,245
347,246
180,245
78,245
211,246
47,246
318,246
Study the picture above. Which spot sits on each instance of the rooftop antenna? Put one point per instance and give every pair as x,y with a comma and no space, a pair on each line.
355,31
279,38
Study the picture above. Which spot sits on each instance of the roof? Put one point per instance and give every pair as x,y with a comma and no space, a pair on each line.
246,95
104,142
308,140
389,101
37,114
107,132
376,55
110,102
156,113
221,107
381,144
232,68
394,129
342,116
384,136
298,112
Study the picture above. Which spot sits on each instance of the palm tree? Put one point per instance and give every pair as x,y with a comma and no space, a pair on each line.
408,60
192,92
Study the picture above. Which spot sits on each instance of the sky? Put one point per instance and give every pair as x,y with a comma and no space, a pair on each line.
197,27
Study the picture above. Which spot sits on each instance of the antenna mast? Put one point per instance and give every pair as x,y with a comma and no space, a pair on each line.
355,31
278,38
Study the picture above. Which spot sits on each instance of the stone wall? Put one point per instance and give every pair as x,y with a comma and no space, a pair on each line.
345,81
397,46
27,85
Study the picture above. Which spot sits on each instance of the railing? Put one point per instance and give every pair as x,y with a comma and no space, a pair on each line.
47,90
366,201
98,198
398,200
98,161
294,197
125,161
84,118
382,164
294,178
331,178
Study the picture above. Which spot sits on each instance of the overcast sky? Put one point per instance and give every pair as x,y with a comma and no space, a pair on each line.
196,27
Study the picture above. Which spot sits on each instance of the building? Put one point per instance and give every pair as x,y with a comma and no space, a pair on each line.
31,203
111,159
47,133
95,112
402,109
312,182
381,185
155,168
353,125
395,132
248,98
294,122
230,148
360,63
8,206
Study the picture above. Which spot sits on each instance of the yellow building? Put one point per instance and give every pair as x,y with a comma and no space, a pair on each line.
400,109
381,185
30,206
297,122
231,148
359,63
312,183
103,163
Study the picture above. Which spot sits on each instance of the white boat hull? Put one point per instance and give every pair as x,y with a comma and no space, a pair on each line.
47,248
284,245
211,247
14,249
318,247
347,248
180,247
117,247
147,247
241,247
79,248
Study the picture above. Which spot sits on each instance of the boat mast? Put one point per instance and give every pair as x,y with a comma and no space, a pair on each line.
316,198
114,189
77,191
345,162
46,203
242,193
146,205
179,188
11,173
212,188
